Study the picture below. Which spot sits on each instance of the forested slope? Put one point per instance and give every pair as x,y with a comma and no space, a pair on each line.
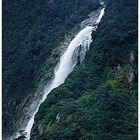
99,99
31,31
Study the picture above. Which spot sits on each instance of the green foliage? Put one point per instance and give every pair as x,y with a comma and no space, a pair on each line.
31,31
97,102
107,112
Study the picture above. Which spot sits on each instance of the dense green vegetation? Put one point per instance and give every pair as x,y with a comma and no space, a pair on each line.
99,99
31,30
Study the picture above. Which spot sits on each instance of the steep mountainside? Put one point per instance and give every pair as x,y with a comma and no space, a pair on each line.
99,99
32,31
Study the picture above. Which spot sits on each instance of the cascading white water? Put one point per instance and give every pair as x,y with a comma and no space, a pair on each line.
67,63
65,67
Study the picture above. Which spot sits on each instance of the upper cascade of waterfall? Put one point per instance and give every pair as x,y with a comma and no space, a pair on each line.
76,50
67,62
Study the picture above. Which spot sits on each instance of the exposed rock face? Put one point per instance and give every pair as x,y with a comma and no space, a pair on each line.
132,68
57,118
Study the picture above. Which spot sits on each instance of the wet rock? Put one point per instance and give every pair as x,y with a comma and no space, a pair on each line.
58,118
132,66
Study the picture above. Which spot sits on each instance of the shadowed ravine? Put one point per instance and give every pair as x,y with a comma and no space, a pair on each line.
76,50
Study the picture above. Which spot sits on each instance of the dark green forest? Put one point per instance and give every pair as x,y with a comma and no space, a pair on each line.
31,30
98,101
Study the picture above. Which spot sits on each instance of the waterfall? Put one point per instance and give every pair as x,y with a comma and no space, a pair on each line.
77,48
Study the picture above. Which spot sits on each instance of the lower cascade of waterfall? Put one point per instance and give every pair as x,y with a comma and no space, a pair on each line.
74,53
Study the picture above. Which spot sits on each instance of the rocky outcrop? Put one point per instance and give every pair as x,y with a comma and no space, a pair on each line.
132,67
